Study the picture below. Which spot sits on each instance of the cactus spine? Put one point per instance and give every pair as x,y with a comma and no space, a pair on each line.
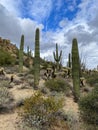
75,69
37,59
21,54
57,57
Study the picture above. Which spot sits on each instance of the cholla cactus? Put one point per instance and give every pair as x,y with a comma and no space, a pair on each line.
37,59
57,57
75,69
21,54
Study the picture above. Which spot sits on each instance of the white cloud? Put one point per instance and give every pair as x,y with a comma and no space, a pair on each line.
37,9
58,4
40,9
12,6
88,10
12,27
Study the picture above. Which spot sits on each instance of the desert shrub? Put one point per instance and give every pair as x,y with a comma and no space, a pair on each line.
39,111
5,96
89,107
72,120
30,82
20,102
44,90
4,83
6,58
29,76
58,85
92,80
31,71
85,126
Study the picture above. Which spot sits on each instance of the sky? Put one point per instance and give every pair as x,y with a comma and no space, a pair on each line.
59,22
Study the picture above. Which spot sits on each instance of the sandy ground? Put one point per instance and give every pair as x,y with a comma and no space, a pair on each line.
8,121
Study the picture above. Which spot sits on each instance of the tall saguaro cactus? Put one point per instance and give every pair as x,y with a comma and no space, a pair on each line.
75,69
21,54
57,57
37,58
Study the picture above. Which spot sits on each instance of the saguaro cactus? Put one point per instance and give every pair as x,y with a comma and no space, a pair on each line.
37,59
29,52
69,65
57,57
75,69
21,54
69,60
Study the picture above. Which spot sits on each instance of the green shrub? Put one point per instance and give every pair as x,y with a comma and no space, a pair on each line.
58,85
92,80
6,58
89,107
39,111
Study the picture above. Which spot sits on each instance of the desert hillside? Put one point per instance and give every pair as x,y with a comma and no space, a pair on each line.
48,100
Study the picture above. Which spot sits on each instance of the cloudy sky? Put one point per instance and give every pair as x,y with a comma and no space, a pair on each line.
59,21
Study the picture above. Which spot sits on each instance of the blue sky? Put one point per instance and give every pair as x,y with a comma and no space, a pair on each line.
59,22
54,12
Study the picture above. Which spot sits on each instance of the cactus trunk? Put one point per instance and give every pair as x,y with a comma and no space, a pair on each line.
75,70
37,59
21,54
69,60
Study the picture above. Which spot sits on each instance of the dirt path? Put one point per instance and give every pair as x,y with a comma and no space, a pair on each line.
8,121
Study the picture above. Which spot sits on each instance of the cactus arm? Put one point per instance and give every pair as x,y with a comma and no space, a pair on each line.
60,56
54,56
